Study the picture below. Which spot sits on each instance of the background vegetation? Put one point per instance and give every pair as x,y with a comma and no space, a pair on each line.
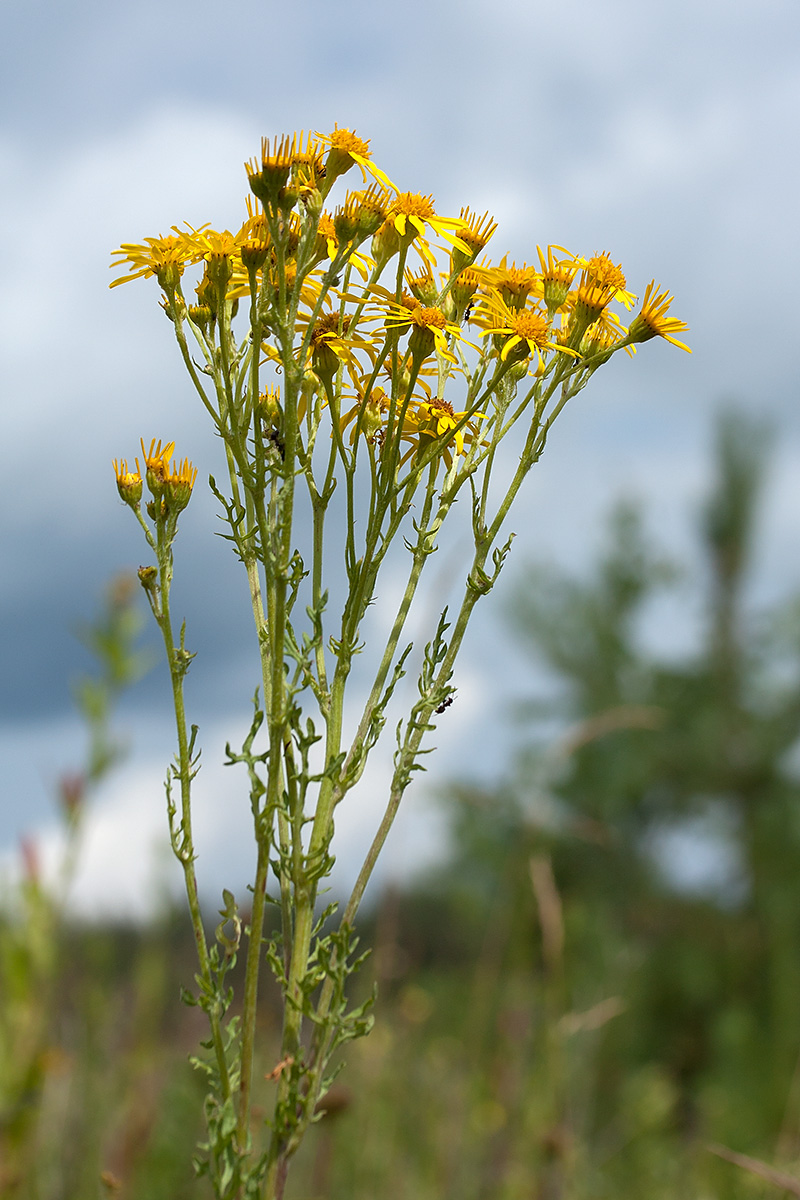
601,981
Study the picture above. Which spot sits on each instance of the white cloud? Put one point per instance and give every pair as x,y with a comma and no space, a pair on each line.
598,126
125,867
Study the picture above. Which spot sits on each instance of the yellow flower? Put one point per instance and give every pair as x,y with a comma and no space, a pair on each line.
652,321
346,149
607,326
156,464
528,332
164,257
327,246
417,211
600,277
129,483
269,404
329,347
436,418
601,281
429,327
267,179
178,484
172,483
219,251
368,413
184,474
362,214
474,232
408,220
513,283
603,338
556,276
424,287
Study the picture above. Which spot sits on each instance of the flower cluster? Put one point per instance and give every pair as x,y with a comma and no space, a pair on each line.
170,484
311,274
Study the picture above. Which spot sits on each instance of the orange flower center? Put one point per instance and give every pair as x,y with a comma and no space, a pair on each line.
327,327
602,272
346,142
429,318
412,204
532,327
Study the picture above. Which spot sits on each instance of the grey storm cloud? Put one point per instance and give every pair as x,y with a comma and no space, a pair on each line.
662,136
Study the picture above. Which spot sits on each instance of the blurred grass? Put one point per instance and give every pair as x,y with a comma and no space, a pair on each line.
473,1084
558,1017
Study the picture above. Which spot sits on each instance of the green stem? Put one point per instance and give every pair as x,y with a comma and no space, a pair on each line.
186,856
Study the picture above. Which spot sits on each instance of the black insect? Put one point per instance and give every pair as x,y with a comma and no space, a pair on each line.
445,704
277,441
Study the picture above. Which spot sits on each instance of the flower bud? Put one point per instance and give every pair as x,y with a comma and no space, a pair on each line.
462,292
473,232
178,486
148,578
201,316
267,180
156,463
269,405
254,254
129,483
169,276
385,244
423,287
219,269
421,342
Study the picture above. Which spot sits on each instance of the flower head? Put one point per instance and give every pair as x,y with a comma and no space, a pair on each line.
129,483
557,275
653,321
164,257
601,282
267,178
362,214
473,232
422,285
327,245
331,347
526,332
219,251
514,284
435,418
156,464
269,404
408,220
179,481
367,416
428,325
347,150
602,339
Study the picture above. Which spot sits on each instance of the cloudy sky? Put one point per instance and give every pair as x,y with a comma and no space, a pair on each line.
663,134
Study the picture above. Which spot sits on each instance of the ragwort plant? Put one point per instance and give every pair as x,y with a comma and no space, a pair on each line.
322,342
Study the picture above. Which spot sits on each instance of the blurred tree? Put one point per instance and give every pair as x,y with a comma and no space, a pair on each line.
663,765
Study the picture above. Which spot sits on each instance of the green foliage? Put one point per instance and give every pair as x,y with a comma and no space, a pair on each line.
32,962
